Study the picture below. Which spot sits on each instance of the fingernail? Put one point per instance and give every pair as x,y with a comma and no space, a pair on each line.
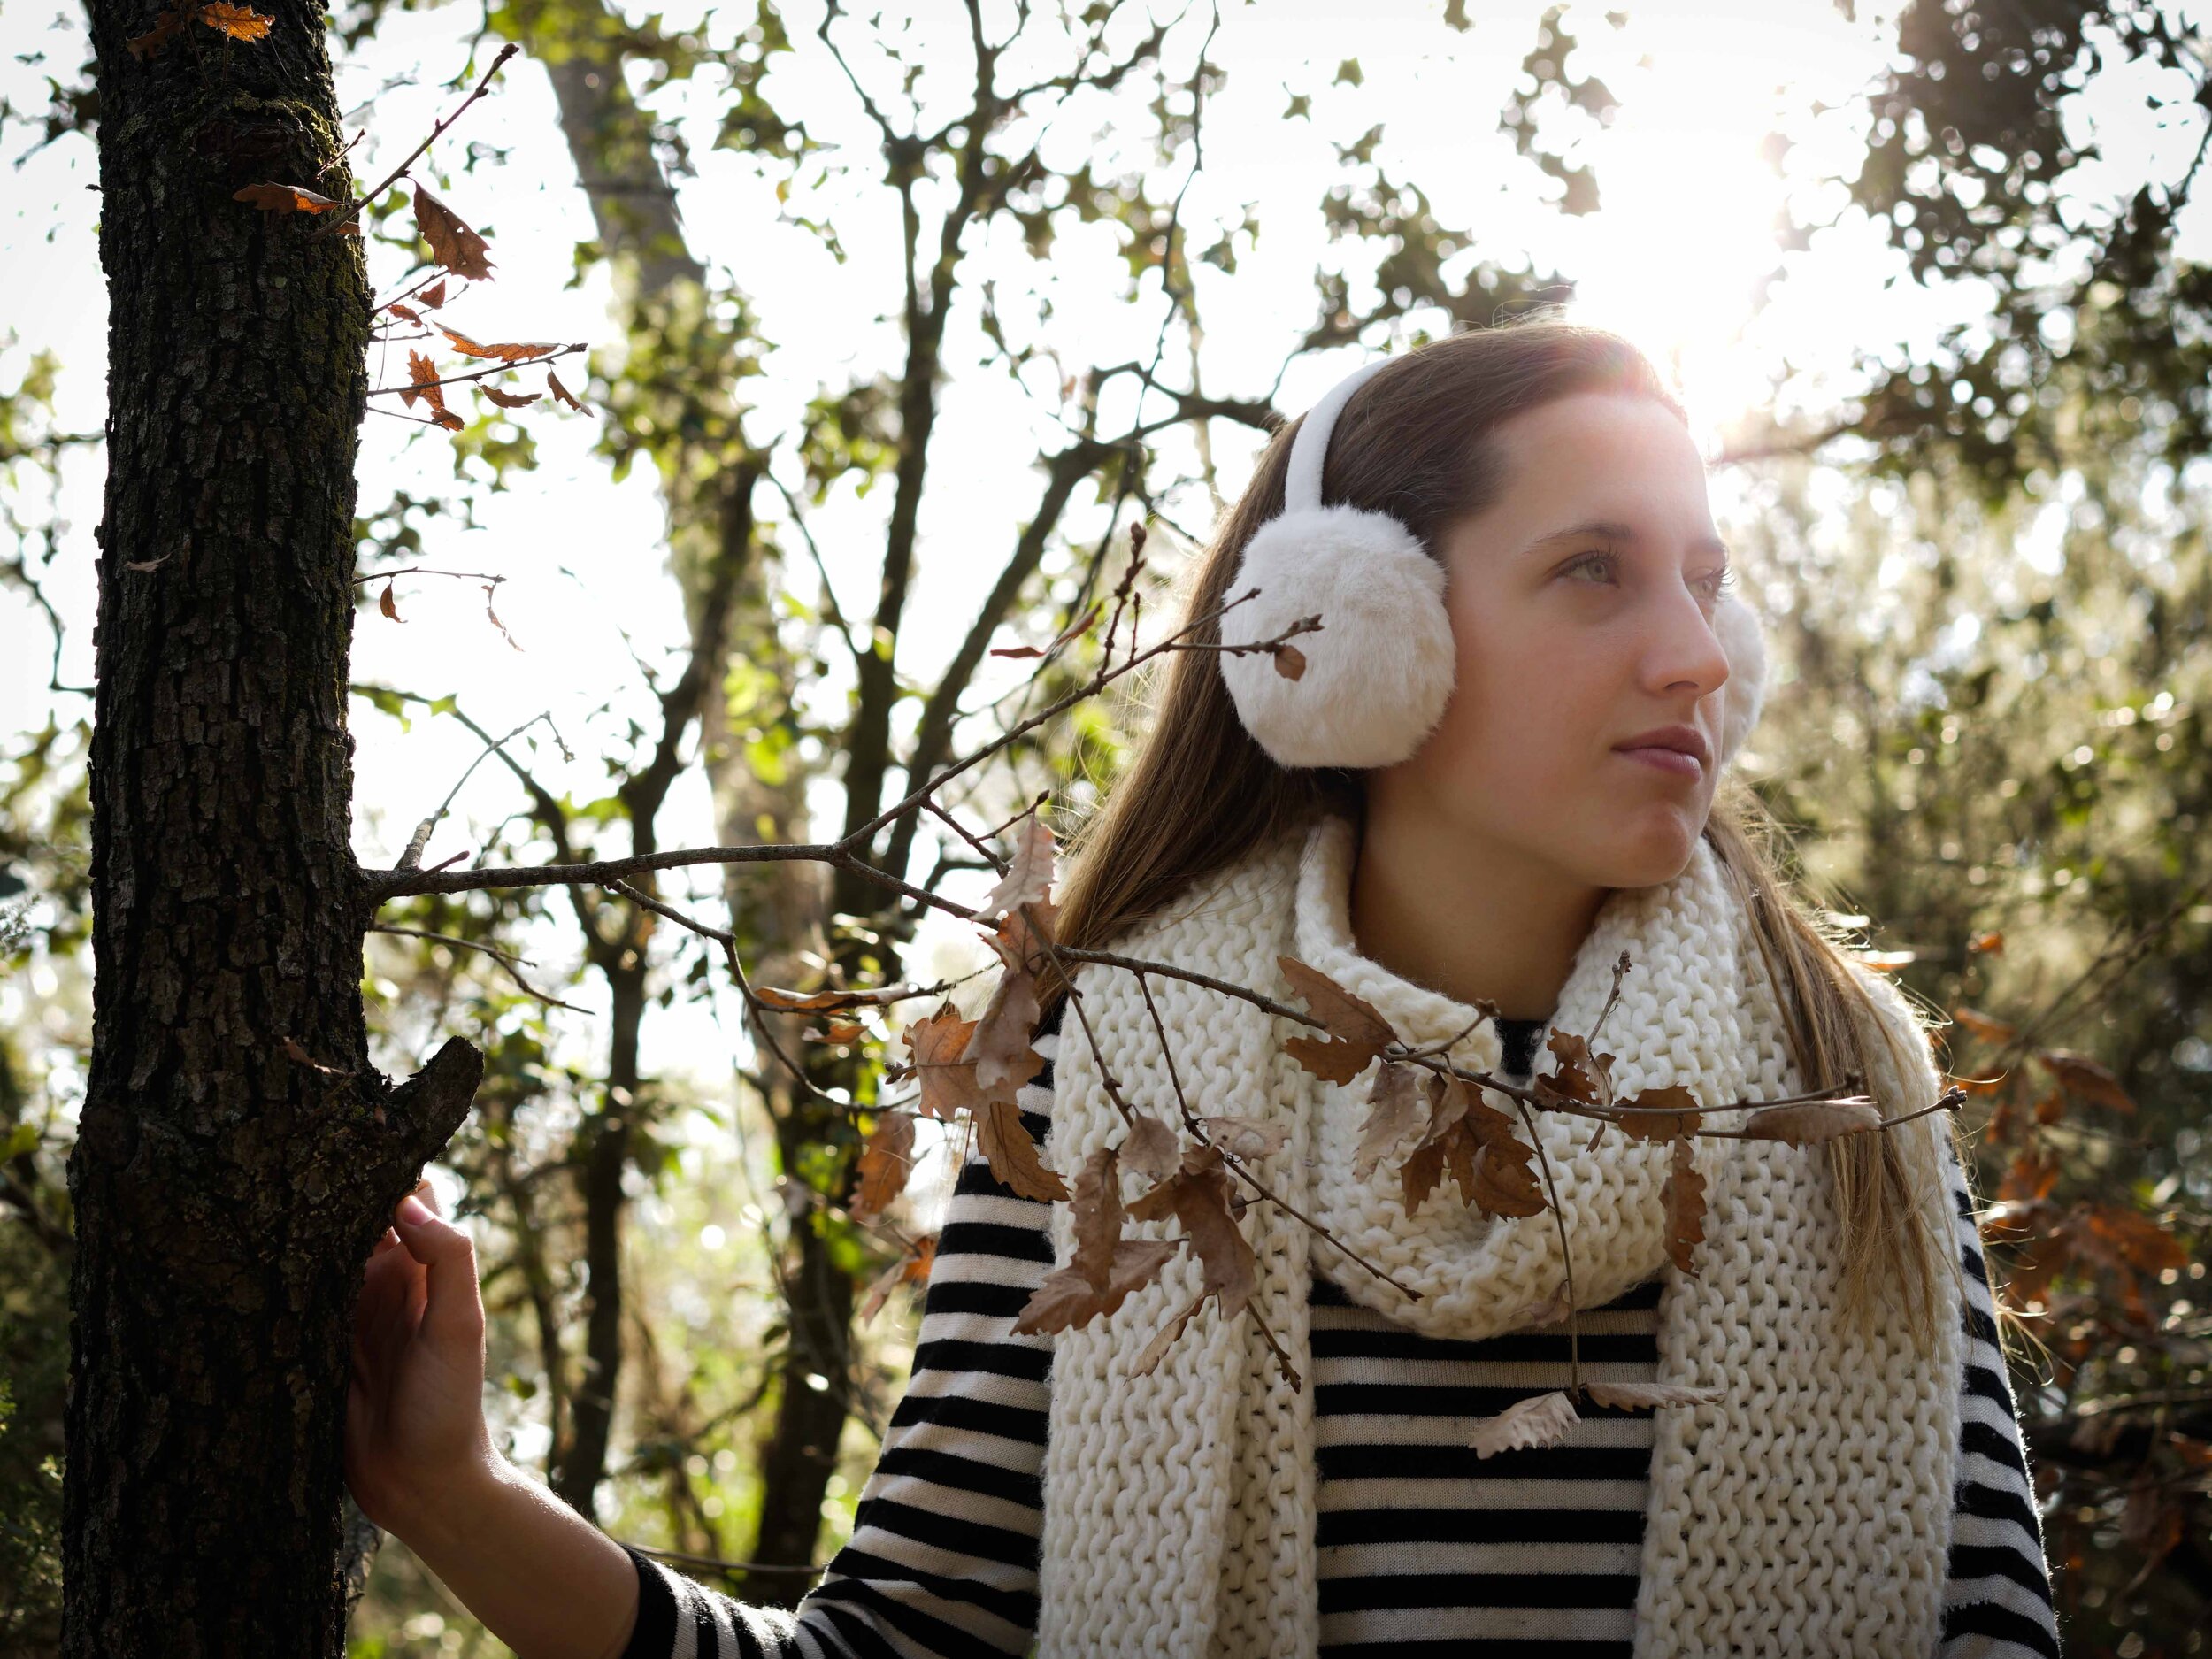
413,1212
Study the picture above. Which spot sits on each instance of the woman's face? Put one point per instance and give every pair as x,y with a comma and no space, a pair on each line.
1573,641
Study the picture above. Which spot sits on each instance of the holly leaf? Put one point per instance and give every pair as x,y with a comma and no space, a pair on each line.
1540,1420
452,243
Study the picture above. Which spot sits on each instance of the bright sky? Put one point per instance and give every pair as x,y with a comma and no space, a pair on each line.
1681,257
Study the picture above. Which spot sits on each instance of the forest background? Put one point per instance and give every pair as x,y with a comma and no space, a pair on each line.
892,325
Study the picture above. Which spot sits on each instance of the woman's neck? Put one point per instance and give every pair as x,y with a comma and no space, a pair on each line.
1468,919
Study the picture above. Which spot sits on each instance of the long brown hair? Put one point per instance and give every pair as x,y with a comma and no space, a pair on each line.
1199,792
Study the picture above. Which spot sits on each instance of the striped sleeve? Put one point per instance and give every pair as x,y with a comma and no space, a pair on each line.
942,1562
1998,1603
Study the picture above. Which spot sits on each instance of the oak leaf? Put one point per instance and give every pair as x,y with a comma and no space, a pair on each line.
452,243
510,400
553,384
1683,1197
1661,1114
999,1046
1011,1151
1393,1112
504,353
2080,1075
285,198
1636,1396
823,1002
884,1163
1983,1025
1028,877
1197,1195
911,1268
1290,662
241,23
1247,1138
434,296
947,1082
1066,1300
1540,1420
1151,1148
1357,1028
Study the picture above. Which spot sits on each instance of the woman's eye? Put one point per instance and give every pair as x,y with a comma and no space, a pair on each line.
1721,581
1592,561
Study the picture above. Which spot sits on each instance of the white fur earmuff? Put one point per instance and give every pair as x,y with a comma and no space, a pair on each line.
1378,671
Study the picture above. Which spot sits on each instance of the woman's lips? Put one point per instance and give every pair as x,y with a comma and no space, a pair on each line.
1671,760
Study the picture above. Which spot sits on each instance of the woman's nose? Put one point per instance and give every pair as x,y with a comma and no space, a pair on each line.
1687,651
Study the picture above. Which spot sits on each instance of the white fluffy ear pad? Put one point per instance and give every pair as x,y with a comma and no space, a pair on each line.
1736,627
1378,671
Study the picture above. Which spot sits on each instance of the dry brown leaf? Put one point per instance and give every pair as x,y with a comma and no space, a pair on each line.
1683,1196
884,1163
1526,1424
1356,1027
1152,1148
1163,1339
947,1082
1028,877
823,1002
911,1268
1290,662
1636,1396
285,198
1393,1112
406,313
387,604
147,45
1505,1179
1247,1138
1811,1122
1661,1114
452,243
1067,1299
1551,1310
423,378
434,296
999,1046
1097,1212
506,353
241,23
1983,1025
1582,1076
1007,1146
553,384
2080,1075
510,400
1197,1195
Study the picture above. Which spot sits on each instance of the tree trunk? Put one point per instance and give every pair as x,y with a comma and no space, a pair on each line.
237,1156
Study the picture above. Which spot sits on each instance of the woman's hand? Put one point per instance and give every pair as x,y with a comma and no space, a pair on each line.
415,1406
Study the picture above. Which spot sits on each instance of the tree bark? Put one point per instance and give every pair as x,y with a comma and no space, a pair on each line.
237,1156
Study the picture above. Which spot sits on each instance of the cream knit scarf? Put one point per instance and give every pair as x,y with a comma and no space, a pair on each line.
1808,1513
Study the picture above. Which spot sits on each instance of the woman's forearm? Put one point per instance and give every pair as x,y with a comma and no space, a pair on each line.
542,1579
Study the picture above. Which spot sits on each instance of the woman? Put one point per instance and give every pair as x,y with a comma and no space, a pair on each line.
1490,771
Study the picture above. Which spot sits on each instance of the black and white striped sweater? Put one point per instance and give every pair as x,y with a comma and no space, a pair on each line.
1424,1551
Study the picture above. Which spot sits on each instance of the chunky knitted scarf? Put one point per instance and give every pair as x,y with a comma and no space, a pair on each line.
1806,1512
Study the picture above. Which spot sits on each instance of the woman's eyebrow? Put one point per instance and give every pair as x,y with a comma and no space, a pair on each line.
1612,529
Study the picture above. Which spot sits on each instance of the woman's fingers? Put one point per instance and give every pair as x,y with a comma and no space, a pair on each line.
452,1315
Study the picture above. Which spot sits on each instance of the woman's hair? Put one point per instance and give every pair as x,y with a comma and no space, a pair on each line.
1198,793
